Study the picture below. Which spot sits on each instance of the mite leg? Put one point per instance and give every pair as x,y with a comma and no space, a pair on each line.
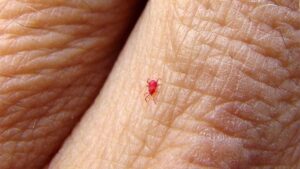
146,95
147,98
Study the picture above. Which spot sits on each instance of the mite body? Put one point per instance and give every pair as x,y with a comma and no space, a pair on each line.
152,86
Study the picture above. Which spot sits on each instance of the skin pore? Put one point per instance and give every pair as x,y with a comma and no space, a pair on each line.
229,96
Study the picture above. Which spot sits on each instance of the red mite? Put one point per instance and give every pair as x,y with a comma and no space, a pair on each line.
152,88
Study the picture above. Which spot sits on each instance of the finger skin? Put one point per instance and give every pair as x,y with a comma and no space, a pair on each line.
229,96
54,58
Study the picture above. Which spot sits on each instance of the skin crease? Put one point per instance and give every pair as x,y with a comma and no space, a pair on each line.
54,58
229,95
228,99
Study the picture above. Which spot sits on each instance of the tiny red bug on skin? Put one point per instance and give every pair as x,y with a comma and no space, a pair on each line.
152,89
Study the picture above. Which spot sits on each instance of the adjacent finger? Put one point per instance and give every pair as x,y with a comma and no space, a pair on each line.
54,58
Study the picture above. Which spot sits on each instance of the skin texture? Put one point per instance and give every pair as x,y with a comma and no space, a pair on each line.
229,98
229,94
54,58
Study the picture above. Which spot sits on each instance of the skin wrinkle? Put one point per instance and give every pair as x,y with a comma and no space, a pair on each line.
171,120
221,104
184,36
176,53
40,21
237,30
51,75
54,99
39,63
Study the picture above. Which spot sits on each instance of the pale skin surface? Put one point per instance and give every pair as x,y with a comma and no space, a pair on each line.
229,96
